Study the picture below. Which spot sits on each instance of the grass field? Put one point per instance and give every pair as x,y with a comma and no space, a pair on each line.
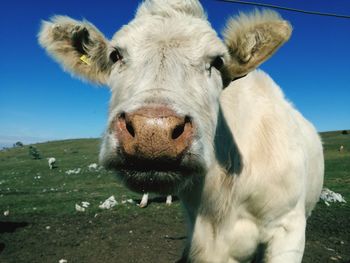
43,225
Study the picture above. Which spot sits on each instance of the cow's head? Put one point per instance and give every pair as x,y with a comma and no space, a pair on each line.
166,70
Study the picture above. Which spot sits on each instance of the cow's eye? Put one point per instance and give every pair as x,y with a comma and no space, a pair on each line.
217,63
115,56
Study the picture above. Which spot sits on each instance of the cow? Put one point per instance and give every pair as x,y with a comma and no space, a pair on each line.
190,114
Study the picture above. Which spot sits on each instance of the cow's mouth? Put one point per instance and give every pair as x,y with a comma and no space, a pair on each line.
165,176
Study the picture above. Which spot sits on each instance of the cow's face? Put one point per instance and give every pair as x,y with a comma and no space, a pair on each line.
166,70
164,104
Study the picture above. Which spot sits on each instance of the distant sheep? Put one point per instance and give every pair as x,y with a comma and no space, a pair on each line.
52,162
144,200
341,148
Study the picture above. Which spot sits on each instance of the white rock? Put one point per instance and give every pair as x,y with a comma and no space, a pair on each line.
109,203
85,204
73,171
79,208
93,166
63,261
130,201
329,196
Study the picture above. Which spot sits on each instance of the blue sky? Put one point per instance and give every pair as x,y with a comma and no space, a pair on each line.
40,102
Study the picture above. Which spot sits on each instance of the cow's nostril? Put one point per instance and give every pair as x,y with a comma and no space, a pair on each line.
123,118
130,128
179,129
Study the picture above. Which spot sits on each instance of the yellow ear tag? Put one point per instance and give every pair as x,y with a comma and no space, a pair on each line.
85,59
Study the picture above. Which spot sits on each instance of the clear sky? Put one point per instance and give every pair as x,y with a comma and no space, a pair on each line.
40,102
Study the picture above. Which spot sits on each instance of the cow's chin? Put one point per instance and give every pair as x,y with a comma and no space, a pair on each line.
163,182
160,176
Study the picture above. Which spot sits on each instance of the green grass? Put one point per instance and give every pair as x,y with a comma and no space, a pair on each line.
337,164
57,192
95,235
29,187
50,201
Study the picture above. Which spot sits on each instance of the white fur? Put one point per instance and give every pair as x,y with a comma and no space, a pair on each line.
281,180
144,200
169,200
263,161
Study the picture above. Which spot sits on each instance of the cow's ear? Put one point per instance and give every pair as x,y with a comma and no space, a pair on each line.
78,46
253,38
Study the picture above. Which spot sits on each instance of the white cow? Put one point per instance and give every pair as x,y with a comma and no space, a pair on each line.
51,161
144,200
246,165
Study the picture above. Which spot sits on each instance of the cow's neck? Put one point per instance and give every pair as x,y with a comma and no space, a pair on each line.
226,151
208,196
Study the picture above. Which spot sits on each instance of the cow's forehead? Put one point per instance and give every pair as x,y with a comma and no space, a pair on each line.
191,37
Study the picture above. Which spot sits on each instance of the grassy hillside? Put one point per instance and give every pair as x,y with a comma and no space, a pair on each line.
43,225
337,166
28,183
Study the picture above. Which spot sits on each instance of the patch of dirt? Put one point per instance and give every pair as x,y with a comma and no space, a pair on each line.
328,235
157,237
101,239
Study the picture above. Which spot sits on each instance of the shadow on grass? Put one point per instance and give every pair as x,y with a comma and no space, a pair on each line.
10,227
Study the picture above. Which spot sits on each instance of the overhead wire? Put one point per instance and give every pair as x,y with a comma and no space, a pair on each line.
286,8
